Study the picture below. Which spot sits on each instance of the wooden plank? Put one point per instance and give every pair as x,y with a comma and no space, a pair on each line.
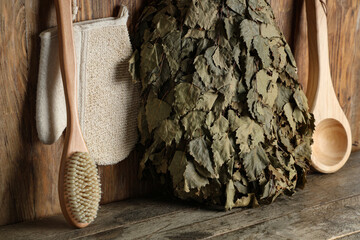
344,37
352,236
155,219
285,10
14,145
299,45
355,76
326,221
42,159
109,217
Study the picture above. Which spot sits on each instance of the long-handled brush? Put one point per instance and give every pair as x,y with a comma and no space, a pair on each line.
79,184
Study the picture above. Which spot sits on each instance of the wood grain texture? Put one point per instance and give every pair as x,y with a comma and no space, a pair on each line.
29,169
344,42
350,236
320,222
312,213
16,189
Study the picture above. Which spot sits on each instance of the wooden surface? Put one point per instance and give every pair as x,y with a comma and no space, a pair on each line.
28,172
328,208
332,137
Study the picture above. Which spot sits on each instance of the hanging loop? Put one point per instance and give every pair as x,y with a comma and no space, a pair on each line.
324,6
75,9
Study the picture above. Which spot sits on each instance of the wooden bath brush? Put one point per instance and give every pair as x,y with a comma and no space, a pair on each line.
332,137
79,184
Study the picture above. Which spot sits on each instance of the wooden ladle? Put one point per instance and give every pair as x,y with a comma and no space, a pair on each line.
332,137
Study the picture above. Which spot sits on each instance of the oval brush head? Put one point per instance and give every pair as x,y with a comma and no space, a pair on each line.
82,187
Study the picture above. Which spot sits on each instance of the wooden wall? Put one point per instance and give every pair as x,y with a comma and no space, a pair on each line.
28,169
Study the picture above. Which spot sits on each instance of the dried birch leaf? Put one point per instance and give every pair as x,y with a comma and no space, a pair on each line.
192,179
154,117
169,131
238,6
255,162
248,30
199,150
230,194
186,96
207,10
249,134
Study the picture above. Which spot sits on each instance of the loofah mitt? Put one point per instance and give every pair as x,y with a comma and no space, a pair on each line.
107,99
223,119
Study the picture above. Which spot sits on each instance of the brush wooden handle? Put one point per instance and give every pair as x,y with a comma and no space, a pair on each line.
332,137
74,141
67,57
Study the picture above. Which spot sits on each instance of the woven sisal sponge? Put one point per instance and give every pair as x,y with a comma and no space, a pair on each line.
108,100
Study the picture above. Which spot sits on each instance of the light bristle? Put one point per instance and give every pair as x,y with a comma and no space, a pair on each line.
82,187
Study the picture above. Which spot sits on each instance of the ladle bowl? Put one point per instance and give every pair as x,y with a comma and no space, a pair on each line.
330,145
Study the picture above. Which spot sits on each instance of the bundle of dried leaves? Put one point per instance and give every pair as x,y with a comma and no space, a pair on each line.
223,119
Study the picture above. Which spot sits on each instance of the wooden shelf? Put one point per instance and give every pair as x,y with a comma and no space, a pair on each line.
328,207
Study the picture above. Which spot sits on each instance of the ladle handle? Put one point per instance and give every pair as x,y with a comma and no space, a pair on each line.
319,66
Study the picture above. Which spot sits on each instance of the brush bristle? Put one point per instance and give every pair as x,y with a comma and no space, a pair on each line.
82,187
